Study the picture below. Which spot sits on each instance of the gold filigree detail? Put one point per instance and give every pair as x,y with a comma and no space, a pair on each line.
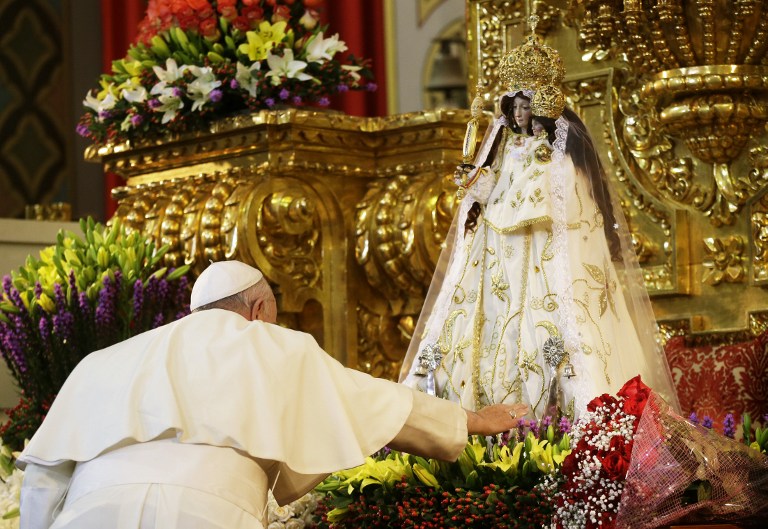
724,261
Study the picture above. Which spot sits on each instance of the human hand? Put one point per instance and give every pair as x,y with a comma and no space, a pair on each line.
495,419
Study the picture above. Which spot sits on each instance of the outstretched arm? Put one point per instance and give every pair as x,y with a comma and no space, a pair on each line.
439,428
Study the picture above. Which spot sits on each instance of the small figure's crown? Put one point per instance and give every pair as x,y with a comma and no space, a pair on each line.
548,101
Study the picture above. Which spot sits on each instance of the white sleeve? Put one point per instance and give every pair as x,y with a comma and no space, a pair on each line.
435,428
481,188
42,494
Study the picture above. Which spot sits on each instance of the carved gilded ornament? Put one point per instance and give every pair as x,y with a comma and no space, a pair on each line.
701,74
724,261
344,215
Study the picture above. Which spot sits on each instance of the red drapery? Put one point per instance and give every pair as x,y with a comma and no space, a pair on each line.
119,25
359,23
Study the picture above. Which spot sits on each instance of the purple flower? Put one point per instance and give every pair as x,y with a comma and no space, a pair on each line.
269,102
216,95
137,119
7,283
284,94
707,422
234,85
693,418
534,427
85,304
63,325
158,320
105,114
38,290
44,327
296,100
342,88
564,425
13,349
154,103
177,92
138,298
371,87
729,426
545,422
82,130
59,297
324,102
105,309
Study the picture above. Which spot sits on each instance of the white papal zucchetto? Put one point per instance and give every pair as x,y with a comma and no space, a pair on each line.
221,280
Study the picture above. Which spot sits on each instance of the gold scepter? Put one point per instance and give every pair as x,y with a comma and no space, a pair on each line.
470,141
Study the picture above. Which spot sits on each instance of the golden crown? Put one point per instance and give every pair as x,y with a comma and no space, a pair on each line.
531,65
548,101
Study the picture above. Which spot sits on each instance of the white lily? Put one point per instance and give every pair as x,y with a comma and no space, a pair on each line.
132,91
246,79
170,103
200,89
353,71
321,50
171,73
287,67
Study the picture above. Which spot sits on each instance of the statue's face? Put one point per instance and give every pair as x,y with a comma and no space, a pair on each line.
521,112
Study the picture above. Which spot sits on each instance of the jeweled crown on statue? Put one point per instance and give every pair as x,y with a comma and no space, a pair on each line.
535,66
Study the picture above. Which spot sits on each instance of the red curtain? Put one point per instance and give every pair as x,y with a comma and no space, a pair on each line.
119,25
360,23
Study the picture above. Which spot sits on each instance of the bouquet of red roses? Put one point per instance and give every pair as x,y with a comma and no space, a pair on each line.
592,479
684,472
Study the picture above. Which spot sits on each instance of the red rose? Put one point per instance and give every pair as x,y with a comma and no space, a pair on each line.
598,402
281,13
198,5
569,465
635,405
616,466
634,388
254,13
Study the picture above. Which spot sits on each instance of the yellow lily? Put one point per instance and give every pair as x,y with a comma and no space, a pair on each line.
262,41
46,303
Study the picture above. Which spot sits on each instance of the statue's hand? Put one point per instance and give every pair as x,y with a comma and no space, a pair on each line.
460,176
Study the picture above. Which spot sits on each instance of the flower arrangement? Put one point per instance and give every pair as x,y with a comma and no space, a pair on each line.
10,490
298,514
591,483
81,295
493,484
198,60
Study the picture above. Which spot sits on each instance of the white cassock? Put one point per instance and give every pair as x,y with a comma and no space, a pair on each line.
190,424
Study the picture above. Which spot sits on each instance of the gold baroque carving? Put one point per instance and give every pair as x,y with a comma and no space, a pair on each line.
382,339
399,226
724,260
705,83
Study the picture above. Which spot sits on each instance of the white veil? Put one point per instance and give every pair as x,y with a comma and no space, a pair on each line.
572,147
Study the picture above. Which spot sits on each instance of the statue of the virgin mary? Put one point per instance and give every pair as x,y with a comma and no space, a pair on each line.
537,297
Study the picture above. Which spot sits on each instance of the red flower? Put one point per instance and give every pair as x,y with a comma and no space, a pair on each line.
281,13
635,395
255,13
615,466
602,400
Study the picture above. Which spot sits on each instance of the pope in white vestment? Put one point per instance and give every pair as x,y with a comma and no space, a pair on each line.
190,424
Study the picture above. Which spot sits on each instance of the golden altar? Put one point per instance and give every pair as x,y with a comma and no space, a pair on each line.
345,215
